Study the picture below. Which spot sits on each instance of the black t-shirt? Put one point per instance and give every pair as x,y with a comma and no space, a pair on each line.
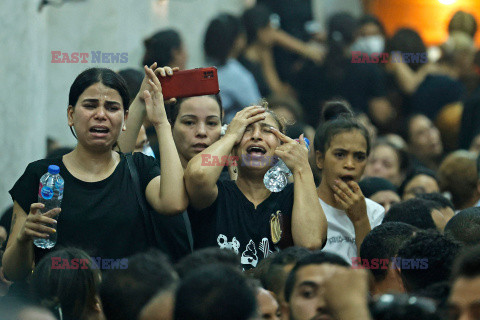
232,222
103,218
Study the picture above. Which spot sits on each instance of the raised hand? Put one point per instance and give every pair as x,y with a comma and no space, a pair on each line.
153,97
351,199
242,120
158,71
293,153
35,224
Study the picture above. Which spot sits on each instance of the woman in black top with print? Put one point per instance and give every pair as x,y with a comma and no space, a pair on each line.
100,212
242,215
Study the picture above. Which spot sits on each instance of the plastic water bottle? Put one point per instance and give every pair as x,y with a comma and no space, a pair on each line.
50,193
276,178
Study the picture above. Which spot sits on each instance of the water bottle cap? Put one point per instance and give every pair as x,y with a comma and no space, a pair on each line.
307,142
53,169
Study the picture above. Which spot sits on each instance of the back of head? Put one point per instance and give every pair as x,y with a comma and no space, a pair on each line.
125,292
341,29
383,242
72,289
416,212
463,21
254,19
133,78
458,175
468,264
465,226
316,258
437,250
158,48
220,37
372,185
407,40
437,197
202,257
215,292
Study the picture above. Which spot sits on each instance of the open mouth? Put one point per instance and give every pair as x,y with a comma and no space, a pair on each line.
99,130
256,151
347,178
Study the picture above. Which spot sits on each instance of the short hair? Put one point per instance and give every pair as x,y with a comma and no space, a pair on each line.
383,242
125,292
438,198
274,279
465,226
458,175
72,290
468,264
199,258
215,292
440,252
416,212
316,258
158,48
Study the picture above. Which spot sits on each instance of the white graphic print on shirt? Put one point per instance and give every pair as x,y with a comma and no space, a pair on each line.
223,243
249,256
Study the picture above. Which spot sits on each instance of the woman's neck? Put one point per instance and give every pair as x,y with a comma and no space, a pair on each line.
93,163
253,188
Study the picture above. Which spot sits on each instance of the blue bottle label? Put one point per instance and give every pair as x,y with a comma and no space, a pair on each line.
47,193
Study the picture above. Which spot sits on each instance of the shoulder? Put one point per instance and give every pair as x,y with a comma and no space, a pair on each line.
374,210
42,165
141,160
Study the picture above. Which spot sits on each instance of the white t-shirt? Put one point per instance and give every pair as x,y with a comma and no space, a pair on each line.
341,233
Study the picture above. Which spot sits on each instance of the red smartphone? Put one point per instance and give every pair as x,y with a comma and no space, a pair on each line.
190,83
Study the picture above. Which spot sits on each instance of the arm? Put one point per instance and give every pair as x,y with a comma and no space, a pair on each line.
18,259
137,112
351,199
166,194
407,79
309,224
200,177
270,72
310,51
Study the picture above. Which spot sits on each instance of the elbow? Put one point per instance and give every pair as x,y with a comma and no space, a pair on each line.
173,209
195,175
313,245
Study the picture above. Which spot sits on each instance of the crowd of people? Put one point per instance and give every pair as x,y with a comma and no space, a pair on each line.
380,218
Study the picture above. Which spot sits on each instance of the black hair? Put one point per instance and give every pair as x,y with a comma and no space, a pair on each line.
402,155
383,242
198,258
468,264
366,19
463,21
220,37
416,212
92,76
158,48
412,174
334,108
174,110
254,19
71,290
274,279
438,250
215,292
438,198
329,129
407,40
98,75
316,258
372,185
125,292
133,78
465,226
403,306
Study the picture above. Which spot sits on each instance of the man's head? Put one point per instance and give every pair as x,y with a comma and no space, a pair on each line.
304,296
215,292
426,258
125,292
464,301
280,266
420,213
458,175
445,206
383,242
465,226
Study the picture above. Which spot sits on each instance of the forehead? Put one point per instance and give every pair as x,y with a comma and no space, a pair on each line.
316,273
269,120
352,140
100,91
200,106
419,123
421,179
